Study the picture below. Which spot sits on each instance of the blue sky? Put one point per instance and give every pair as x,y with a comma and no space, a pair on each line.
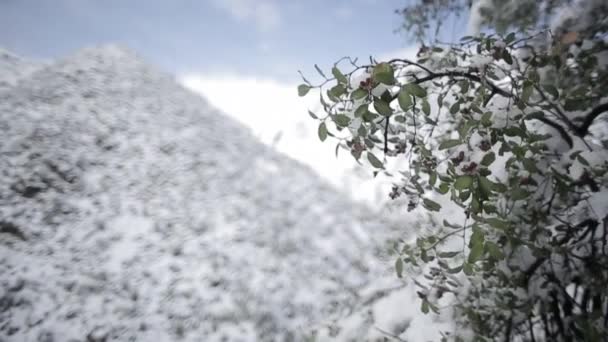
273,38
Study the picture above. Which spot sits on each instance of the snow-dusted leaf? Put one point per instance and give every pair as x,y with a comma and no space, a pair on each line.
374,161
449,144
303,89
322,131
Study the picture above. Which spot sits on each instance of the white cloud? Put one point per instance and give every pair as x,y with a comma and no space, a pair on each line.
278,116
265,14
270,109
407,53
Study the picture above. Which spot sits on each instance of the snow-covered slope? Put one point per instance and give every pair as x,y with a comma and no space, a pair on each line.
131,210
14,68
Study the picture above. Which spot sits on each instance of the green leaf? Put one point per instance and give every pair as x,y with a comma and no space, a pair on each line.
455,108
424,256
464,128
431,205
477,236
463,182
425,306
467,269
497,223
399,118
449,144
320,71
341,120
464,86
488,159
432,178
443,188
448,255
415,90
582,160
514,131
359,94
526,91
303,89
434,308
322,131
529,165
494,251
499,187
536,138
361,131
519,194
486,119
506,56
520,104
450,225
382,107
399,267
552,90
369,116
575,154
440,101
486,186
374,160
574,104
338,75
464,195
337,90
312,115
405,100
489,208
475,253
362,109
420,242
474,107
303,78
476,245
384,73
426,108
322,100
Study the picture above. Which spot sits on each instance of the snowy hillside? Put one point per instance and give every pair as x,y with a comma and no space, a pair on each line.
14,68
131,210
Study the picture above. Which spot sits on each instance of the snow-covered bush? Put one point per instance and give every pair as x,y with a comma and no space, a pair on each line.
503,136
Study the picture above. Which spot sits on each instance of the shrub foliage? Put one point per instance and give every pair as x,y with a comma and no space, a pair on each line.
502,136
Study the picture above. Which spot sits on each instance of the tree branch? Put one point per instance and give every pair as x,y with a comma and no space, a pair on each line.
386,126
579,131
583,129
408,62
561,130
558,112
472,77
